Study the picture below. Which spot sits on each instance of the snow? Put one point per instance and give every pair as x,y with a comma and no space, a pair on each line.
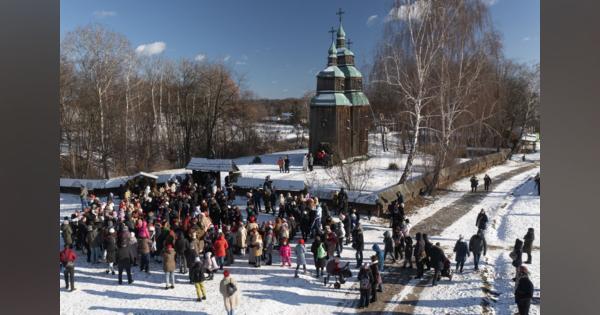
512,207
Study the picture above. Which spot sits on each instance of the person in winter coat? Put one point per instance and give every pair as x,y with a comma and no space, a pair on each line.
280,164
181,246
523,291
428,246
197,277
482,220
474,183
461,250
90,241
487,181
210,264
420,255
477,245
220,247
320,257
398,243
408,252
230,291
229,257
144,246
133,247
286,253
330,242
311,162
67,258
437,262
241,239
300,251
358,243
528,244
365,280
256,244
537,183
67,232
517,256
169,267
376,282
380,255
388,247
110,245
268,243
124,261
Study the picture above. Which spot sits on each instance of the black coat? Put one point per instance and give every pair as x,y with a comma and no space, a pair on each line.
524,289
482,221
110,244
358,240
365,273
462,251
197,273
477,245
437,257
181,245
124,256
528,242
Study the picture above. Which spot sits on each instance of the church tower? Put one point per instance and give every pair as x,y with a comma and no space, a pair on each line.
340,112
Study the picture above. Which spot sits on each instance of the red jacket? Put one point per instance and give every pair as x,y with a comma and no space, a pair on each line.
67,255
220,246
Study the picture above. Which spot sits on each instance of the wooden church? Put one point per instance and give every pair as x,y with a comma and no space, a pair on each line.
340,115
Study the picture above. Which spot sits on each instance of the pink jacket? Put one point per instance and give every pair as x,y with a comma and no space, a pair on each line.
143,230
285,251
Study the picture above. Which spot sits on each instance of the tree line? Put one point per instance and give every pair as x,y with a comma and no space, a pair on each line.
122,112
439,71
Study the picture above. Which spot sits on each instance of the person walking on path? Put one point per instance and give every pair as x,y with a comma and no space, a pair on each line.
376,283
408,252
437,262
197,276
477,245
231,293
311,162
300,251
169,267
380,255
474,183
461,250
124,261
528,244
365,280
537,183
482,221
286,253
420,255
220,247
517,256
523,291
67,258
487,181
388,247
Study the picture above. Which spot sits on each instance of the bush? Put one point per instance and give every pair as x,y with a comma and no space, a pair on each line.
393,167
256,160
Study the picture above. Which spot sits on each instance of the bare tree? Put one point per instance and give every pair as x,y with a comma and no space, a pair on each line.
353,176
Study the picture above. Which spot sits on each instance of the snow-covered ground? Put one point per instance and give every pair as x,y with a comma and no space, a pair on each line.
512,208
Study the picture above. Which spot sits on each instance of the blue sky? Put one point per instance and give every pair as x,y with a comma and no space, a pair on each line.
278,46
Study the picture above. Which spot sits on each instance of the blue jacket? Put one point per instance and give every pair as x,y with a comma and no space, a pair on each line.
379,254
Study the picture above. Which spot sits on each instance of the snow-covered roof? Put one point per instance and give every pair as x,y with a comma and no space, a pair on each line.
278,184
330,99
529,137
212,165
160,177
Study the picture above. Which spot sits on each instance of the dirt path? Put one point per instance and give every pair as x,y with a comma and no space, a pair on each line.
397,279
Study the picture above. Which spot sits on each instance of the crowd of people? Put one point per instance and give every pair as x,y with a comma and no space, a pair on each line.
200,231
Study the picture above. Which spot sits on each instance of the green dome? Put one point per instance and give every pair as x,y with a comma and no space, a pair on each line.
350,71
340,32
330,99
358,98
331,71
332,50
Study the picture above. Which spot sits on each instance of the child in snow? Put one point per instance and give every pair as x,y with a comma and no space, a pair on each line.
286,253
379,255
300,251
198,277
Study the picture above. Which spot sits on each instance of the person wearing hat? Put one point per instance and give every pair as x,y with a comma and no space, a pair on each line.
523,290
300,251
197,276
230,291
365,280
67,232
169,267
461,250
110,245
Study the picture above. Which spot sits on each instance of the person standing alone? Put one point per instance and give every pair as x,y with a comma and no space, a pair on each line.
486,182
67,259
231,294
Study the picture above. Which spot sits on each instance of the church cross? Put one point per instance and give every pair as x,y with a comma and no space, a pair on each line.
340,13
332,31
349,42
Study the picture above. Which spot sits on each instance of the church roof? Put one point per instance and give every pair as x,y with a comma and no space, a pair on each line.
340,32
350,71
357,98
344,51
332,50
331,71
330,99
